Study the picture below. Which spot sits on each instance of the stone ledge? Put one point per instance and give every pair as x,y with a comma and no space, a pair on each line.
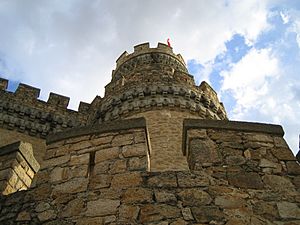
229,125
117,125
233,125
26,151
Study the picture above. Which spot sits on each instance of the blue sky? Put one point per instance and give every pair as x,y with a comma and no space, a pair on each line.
249,51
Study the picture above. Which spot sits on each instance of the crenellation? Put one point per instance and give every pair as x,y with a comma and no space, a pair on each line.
141,47
58,100
3,84
27,92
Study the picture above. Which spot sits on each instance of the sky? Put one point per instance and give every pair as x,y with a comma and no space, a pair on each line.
248,51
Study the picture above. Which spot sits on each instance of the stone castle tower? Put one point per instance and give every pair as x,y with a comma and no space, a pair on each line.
156,149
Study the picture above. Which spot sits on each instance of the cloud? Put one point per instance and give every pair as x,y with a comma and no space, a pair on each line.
70,47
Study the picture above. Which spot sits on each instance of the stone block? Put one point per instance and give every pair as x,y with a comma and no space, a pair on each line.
137,195
101,167
293,167
107,154
119,166
55,161
288,210
47,215
283,154
249,180
194,197
123,139
137,163
164,180
102,207
134,150
187,214
128,213
100,181
79,159
126,180
186,179
73,208
230,202
151,213
72,186
278,183
206,214
235,160
24,216
90,221
165,197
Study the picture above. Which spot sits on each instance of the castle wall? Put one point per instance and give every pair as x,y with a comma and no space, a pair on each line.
245,175
165,128
17,167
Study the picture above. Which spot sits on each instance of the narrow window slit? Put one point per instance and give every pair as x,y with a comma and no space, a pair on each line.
91,164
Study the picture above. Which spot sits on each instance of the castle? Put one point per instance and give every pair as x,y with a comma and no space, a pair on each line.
156,149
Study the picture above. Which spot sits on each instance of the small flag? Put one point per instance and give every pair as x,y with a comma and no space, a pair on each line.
168,41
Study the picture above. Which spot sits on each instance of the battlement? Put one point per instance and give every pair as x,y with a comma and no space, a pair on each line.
22,111
144,48
27,93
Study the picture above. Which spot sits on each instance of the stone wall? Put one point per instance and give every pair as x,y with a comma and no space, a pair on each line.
99,175
24,117
17,167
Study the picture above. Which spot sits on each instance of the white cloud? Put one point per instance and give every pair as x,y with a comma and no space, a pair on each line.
285,17
70,47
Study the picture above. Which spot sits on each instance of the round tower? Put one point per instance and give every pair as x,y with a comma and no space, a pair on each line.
154,83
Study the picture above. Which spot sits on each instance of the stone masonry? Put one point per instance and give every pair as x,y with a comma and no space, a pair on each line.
156,149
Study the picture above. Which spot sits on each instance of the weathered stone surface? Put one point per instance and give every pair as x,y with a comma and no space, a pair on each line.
278,183
123,139
137,163
79,159
205,214
126,180
128,213
165,197
134,150
101,167
55,161
90,221
259,137
47,215
137,195
107,154
102,207
293,167
267,163
42,206
187,214
73,186
100,181
119,166
288,210
192,180
165,180
202,151
283,153
235,160
179,222
245,180
194,197
73,208
151,213
228,201
23,216
267,209
58,174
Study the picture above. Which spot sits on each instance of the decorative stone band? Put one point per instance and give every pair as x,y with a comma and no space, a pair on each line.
36,122
229,125
147,98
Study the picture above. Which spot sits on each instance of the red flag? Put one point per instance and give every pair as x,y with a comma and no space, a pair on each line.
168,41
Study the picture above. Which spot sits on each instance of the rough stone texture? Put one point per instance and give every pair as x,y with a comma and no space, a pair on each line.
182,164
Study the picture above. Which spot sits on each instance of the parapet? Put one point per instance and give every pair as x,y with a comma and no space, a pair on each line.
24,112
143,49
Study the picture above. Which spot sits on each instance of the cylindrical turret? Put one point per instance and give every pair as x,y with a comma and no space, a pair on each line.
155,78
154,83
